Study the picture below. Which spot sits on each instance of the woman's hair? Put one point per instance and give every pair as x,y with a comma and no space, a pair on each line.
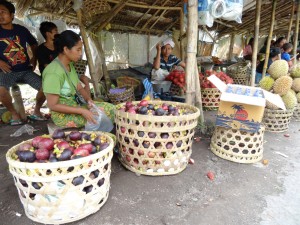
279,40
46,27
67,39
274,51
250,42
287,46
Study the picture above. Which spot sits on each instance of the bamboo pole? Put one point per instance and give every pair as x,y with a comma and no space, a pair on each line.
148,48
291,23
269,38
231,46
95,78
181,33
143,16
145,6
255,45
296,36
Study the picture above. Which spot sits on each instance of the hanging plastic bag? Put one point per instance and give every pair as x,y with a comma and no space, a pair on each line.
204,16
234,10
103,123
218,8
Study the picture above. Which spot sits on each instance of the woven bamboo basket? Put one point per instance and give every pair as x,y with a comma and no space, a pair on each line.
130,82
48,194
210,98
127,95
239,73
176,90
277,120
156,145
238,146
94,8
80,67
296,114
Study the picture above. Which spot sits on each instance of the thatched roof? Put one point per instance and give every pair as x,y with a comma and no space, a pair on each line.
153,16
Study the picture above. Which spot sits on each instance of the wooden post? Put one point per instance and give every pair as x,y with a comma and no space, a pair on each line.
274,3
231,46
94,76
181,33
296,36
291,23
255,45
148,48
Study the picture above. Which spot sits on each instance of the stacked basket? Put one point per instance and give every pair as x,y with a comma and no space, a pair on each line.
48,191
156,145
279,82
239,73
123,96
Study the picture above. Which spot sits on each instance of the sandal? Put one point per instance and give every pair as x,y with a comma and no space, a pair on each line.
36,118
15,122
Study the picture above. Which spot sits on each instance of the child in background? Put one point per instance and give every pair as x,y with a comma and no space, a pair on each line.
287,48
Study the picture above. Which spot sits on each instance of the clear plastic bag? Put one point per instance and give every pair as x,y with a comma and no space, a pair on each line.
24,129
204,16
234,10
103,123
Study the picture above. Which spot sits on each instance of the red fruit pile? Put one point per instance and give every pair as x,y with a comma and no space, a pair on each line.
61,147
205,83
177,77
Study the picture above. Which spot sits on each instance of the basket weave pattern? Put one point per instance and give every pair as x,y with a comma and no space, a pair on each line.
238,146
296,114
92,8
210,98
239,73
277,120
80,67
176,90
127,95
48,194
149,155
130,82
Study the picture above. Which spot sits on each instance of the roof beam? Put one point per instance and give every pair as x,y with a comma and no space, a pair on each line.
142,17
139,5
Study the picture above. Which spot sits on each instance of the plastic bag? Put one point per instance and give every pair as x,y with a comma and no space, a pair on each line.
218,8
204,16
24,129
159,74
103,123
234,10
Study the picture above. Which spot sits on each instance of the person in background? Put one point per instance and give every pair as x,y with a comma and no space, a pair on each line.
247,52
164,60
264,48
15,65
280,42
274,55
285,55
60,84
46,51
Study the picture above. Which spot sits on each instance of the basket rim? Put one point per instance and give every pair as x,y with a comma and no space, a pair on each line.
159,118
54,165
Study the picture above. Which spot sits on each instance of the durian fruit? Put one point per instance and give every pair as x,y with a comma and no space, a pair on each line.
270,105
296,85
290,100
298,97
278,68
295,71
266,83
282,85
294,92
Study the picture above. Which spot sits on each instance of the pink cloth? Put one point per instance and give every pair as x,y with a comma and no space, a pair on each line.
247,50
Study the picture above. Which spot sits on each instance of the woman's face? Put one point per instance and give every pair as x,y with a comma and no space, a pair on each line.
75,53
167,50
282,42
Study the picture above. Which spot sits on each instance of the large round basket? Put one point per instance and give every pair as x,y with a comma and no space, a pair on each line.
296,114
210,98
239,73
62,192
277,120
238,146
156,145
127,95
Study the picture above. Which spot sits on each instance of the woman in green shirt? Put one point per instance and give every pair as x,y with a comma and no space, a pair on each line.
60,82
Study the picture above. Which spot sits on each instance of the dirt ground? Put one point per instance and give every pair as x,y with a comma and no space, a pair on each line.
240,194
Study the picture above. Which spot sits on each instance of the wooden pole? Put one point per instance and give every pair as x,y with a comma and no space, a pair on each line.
192,30
274,3
255,45
148,48
296,36
94,76
231,46
291,23
181,34
146,6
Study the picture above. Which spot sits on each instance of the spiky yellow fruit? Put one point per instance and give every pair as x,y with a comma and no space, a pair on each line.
278,68
295,71
298,97
296,85
270,105
266,83
290,100
282,85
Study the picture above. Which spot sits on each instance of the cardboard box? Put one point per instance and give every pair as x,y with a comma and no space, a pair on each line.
239,111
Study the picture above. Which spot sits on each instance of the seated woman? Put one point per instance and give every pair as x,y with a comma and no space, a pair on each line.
274,55
164,60
60,83
247,51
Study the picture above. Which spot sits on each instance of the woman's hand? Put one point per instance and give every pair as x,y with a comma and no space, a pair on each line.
158,47
88,115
